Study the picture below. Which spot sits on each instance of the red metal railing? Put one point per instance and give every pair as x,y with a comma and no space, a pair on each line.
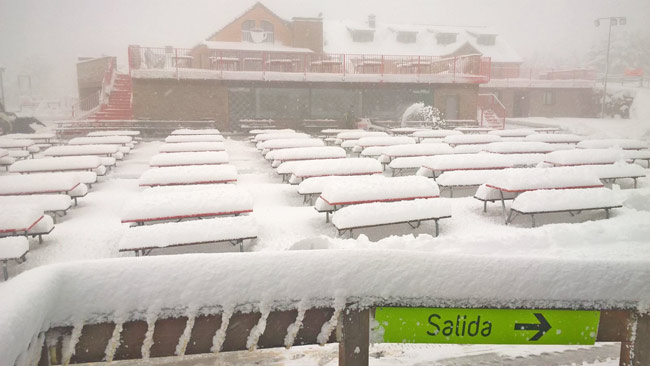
93,102
461,69
492,111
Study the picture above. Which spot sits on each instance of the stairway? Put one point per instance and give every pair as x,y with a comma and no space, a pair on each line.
119,101
491,119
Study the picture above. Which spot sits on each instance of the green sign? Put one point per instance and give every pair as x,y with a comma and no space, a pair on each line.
486,326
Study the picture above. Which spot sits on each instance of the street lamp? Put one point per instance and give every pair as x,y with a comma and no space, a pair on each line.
612,21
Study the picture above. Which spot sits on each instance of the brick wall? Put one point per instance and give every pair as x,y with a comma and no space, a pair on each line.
233,31
90,74
308,33
568,102
467,99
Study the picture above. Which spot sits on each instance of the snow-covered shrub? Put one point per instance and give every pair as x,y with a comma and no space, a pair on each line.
429,116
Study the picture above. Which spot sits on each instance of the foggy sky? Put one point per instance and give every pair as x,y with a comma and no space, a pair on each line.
44,37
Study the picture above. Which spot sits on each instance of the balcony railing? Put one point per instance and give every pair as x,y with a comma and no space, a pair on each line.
515,76
249,65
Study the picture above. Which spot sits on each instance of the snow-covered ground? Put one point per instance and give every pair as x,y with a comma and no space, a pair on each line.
93,230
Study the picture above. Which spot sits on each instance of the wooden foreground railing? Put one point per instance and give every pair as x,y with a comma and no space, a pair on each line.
350,327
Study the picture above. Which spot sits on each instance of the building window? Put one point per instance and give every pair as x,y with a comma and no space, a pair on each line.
486,39
363,36
549,98
406,37
267,27
250,33
446,38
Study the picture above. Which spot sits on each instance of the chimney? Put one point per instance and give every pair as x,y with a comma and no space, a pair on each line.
371,20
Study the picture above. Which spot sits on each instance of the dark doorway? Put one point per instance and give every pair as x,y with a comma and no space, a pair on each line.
521,107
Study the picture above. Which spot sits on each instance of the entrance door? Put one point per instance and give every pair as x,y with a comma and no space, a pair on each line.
451,107
521,107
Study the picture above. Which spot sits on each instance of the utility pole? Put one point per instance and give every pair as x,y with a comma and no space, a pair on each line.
612,21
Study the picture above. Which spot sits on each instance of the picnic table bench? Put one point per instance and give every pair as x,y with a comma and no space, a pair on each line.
439,134
59,164
193,138
412,212
280,156
357,134
572,201
23,144
555,138
25,220
366,142
634,155
189,131
625,144
43,183
188,175
474,130
312,187
275,144
42,137
406,151
270,131
338,194
454,140
583,157
83,150
320,168
435,165
55,205
14,248
192,147
172,204
609,173
189,158
3,153
519,147
406,131
515,132
125,141
280,136
464,179
114,133
143,239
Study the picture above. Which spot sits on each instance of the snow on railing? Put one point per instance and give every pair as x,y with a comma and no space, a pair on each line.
457,69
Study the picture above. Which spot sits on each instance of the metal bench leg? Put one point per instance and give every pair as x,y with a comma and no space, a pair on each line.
40,238
451,192
437,227
635,181
533,218
510,218
503,205
241,246
327,216
351,234
607,213
484,206
5,273
75,202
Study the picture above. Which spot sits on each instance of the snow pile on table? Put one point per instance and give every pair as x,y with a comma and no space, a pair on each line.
13,248
383,141
519,180
304,153
370,151
398,151
526,160
30,136
157,204
390,212
54,164
101,140
43,226
18,217
189,158
79,191
555,138
188,131
485,193
628,144
194,138
37,183
192,147
3,153
191,174
6,143
432,140
43,202
411,162
354,166
470,139
188,232
616,170
565,199
467,162
469,148
281,136
435,133
113,133
465,177
270,131
515,132
289,143
317,184
357,134
370,190
519,147
583,157
77,150
347,144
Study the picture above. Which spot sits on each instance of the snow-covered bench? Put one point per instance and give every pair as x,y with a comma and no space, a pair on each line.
143,239
634,155
15,249
583,157
60,164
192,147
572,201
114,133
469,148
276,144
193,138
366,142
407,151
357,134
474,139
40,138
412,212
555,138
55,205
280,136
304,153
519,147
546,129
3,153
312,187
188,175
188,131
25,220
515,132
22,144
434,134
474,130
625,144
43,183
609,173
102,140
344,193
189,158
321,168
464,179
435,165
258,131
176,204
487,194
85,150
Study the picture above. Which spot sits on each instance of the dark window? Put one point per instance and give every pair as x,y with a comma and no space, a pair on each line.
446,38
549,98
486,39
267,27
334,103
406,37
363,36
281,103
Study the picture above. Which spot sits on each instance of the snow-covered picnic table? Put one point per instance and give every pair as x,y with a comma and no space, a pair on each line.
555,138
114,133
357,134
81,150
276,144
188,131
311,187
474,130
102,140
189,158
194,138
434,165
546,129
280,136
320,168
25,220
188,175
609,173
3,153
583,157
411,150
464,178
59,164
192,147
519,147
24,144
143,239
625,144
304,153
474,139
366,142
515,132
338,194
38,184
176,204
407,130
268,131
42,137
14,248
423,134
336,131
51,204
634,155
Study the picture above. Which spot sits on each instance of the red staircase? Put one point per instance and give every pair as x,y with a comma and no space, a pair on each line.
119,105
491,112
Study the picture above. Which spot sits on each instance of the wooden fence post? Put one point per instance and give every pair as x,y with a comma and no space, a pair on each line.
354,332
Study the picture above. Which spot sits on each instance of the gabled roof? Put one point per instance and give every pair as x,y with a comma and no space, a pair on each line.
256,5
